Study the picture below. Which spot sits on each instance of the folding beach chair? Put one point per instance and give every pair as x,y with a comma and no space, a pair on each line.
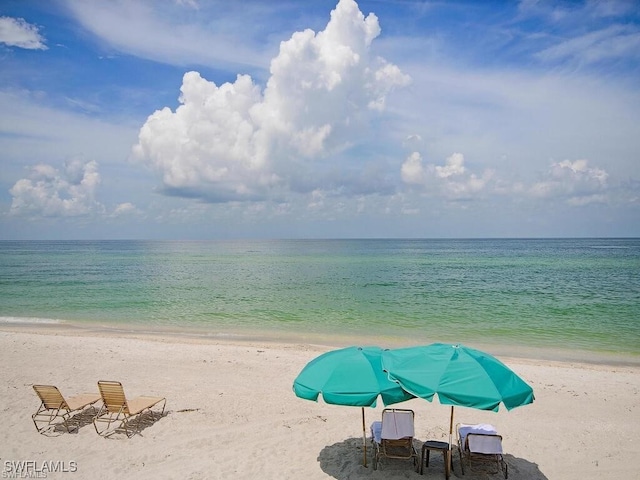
117,410
393,437
481,444
53,405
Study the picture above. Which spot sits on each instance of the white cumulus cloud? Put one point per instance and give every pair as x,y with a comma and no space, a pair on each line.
16,32
453,167
574,180
237,142
453,179
412,170
50,192
126,208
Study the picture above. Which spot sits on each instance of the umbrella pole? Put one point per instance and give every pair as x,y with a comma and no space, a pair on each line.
364,438
449,459
451,428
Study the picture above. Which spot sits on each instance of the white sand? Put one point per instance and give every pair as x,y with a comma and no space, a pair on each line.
231,413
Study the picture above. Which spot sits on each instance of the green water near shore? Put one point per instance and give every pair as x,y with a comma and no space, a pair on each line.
562,294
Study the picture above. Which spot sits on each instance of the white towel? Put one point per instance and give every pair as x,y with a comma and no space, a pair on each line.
487,444
376,431
481,428
396,425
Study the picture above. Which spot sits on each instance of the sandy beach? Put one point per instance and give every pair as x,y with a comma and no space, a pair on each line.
231,413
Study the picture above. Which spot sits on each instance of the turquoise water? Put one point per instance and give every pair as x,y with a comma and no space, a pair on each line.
554,293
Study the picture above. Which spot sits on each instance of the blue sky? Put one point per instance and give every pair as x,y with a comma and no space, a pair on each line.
195,119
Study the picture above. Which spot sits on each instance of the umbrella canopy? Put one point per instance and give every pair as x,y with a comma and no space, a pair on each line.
459,375
351,376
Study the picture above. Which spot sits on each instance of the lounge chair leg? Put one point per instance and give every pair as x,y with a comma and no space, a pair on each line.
461,460
49,416
65,420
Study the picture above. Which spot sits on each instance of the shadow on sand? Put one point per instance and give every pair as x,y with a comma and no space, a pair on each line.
344,461
75,423
136,425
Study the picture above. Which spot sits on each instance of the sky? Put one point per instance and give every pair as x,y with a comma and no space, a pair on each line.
203,119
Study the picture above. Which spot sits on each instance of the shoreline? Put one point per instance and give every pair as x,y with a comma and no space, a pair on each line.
231,412
284,337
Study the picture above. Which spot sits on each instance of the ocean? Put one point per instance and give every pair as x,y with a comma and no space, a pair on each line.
562,295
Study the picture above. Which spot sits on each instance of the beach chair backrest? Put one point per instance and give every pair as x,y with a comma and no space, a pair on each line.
113,396
50,396
397,424
464,429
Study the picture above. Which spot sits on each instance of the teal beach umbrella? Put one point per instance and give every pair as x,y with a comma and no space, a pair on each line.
350,376
458,375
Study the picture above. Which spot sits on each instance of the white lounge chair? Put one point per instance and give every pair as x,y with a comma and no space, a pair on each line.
393,436
480,444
